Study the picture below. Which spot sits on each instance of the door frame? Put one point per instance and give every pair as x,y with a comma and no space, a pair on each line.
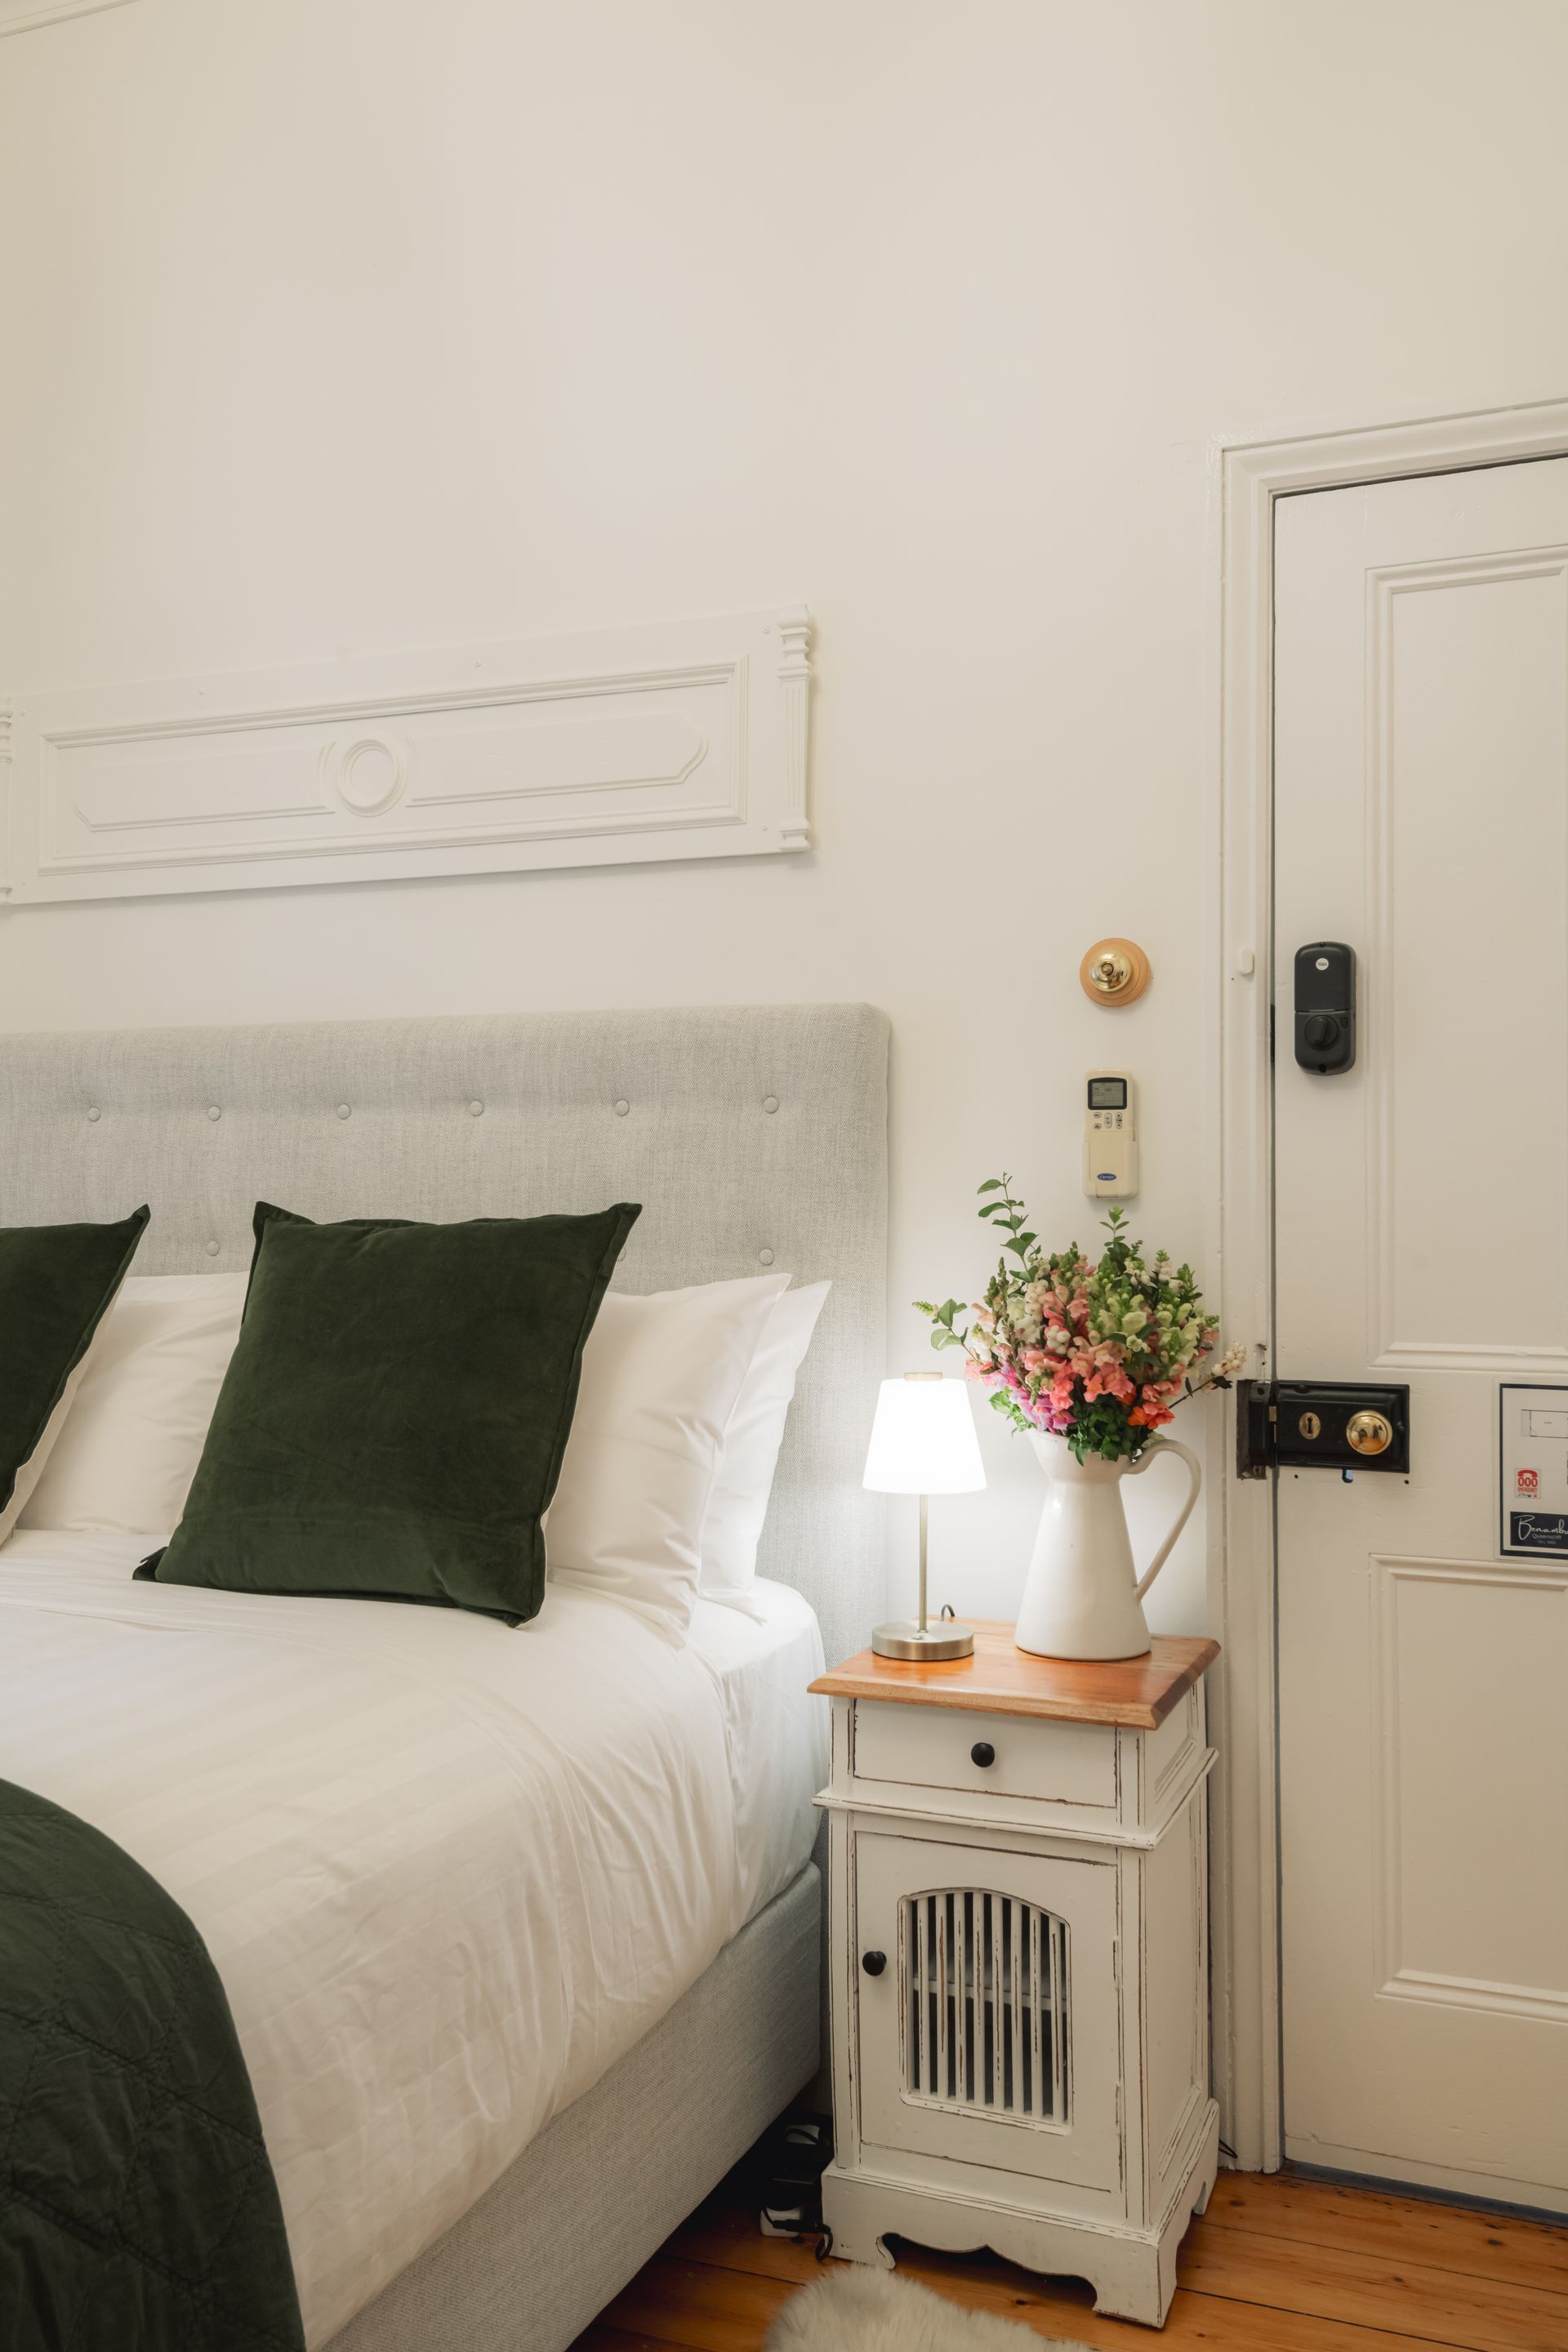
1246,477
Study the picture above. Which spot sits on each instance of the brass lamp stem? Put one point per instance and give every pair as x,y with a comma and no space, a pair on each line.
918,1642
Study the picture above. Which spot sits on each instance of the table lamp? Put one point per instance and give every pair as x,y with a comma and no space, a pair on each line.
923,1443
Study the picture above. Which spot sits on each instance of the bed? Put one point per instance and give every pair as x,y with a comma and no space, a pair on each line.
565,1967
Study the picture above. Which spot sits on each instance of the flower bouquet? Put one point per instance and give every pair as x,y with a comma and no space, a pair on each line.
1089,1359
1099,1354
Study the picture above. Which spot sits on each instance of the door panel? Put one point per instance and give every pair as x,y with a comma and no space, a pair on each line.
1444,1630
1468,839
1421,776
992,2037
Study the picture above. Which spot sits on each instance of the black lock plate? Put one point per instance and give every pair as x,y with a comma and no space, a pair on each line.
1325,1007
1305,1425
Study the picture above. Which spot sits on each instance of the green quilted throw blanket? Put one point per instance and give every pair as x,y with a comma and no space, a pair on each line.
138,2210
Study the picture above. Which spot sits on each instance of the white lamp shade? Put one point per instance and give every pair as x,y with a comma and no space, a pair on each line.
923,1440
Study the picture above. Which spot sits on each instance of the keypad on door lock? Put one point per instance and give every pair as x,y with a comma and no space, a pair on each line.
1325,1008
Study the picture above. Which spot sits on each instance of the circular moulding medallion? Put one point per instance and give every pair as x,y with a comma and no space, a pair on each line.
1114,972
368,772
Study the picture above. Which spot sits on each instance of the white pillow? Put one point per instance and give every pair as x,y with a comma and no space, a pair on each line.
660,1377
30,1472
739,1502
124,1460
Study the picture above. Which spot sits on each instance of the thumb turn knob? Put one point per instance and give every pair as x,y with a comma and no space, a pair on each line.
1321,1032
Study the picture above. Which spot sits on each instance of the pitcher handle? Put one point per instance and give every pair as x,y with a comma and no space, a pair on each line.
1151,1452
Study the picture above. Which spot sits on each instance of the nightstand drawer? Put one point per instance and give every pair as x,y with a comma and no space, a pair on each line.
941,1747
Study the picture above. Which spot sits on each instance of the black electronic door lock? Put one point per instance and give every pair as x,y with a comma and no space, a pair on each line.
1321,1425
1325,1007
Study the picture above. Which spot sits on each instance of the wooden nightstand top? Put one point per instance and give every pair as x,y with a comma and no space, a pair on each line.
1001,1679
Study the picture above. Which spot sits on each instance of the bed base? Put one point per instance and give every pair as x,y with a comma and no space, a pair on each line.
600,2189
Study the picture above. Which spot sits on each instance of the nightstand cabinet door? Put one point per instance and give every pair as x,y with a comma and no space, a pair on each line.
990,2035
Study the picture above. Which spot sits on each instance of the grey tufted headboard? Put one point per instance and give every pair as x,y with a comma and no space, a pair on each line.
753,1136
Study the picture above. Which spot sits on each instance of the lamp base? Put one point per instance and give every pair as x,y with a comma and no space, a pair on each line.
943,1639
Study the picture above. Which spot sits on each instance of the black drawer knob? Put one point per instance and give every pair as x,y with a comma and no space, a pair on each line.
873,1962
983,1753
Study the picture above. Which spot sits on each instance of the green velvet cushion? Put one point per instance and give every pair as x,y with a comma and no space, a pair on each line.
393,1420
56,1284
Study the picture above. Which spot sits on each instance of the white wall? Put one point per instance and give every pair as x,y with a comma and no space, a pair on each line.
339,325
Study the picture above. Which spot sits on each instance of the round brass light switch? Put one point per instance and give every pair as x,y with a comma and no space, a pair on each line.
1114,972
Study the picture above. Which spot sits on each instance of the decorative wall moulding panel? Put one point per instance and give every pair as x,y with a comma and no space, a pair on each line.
684,739
25,16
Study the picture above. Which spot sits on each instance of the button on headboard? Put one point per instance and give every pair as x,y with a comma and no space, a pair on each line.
752,1136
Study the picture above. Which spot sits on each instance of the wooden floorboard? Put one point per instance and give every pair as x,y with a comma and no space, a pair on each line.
600,2338
1374,2222
1277,2264
1380,2290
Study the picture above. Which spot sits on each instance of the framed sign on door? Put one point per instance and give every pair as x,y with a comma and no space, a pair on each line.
1533,1472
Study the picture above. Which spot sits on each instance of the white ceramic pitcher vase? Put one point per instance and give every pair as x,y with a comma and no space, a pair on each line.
1084,1597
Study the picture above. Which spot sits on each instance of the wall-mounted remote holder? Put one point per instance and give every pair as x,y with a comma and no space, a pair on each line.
1110,1135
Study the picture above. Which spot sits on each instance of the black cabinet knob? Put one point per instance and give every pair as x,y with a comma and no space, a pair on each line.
983,1753
873,1962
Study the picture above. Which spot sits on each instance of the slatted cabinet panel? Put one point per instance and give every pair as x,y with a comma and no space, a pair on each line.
998,1978
985,2022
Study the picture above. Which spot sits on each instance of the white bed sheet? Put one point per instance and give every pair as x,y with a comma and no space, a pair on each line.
449,1872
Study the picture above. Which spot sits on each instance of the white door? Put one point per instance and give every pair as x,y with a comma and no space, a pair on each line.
1422,1237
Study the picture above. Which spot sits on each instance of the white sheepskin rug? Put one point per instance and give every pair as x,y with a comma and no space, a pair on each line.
858,2309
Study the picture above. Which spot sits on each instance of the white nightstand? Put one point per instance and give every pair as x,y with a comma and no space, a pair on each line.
1019,1961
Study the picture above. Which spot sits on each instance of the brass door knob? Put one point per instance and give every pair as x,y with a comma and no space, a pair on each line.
1369,1433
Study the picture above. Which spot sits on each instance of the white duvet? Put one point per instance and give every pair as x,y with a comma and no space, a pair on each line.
450,1872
